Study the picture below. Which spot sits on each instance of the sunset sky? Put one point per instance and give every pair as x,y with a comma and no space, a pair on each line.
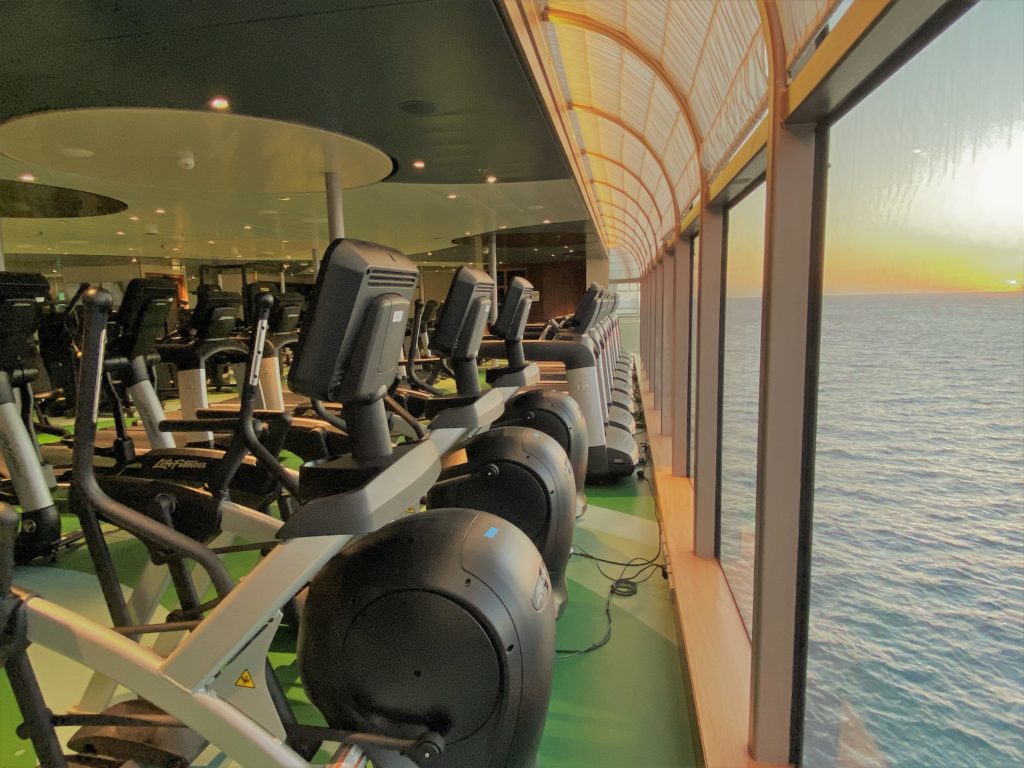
926,182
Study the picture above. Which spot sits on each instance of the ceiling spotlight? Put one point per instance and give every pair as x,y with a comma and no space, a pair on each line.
174,249
159,210
284,242
27,177
452,195
491,179
211,242
419,164
54,271
467,232
219,103
134,218
247,226
536,249
130,248
284,199
430,253
501,226
119,233
546,221
134,260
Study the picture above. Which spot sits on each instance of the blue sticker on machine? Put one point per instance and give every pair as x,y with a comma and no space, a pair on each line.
491,532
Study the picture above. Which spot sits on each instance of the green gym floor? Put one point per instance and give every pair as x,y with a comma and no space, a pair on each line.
623,705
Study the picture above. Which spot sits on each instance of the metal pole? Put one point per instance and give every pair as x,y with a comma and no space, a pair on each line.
494,276
3,259
335,211
283,288
316,261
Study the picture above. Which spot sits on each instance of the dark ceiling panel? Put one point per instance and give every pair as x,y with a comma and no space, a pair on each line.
341,66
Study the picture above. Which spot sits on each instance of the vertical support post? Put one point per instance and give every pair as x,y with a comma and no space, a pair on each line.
494,276
657,323
283,284
710,317
3,259
667,342
643,318
335,209
644,312
315,260
797,159
681,332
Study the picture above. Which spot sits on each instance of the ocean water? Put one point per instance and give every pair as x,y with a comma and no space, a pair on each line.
916,653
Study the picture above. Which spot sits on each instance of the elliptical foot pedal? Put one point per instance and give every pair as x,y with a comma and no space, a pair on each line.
155,746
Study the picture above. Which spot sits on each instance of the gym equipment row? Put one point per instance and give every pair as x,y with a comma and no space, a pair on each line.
424,564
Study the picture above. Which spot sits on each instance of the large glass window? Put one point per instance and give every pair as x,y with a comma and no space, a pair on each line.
628,313
916,653
740,376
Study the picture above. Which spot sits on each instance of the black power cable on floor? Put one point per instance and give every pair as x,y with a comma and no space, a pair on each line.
635,572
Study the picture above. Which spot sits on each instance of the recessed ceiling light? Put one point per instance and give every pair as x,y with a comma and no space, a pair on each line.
566,247
238,256
134,218
546,221
27,177
491,179
131,249
159,210
54,271
284,199
119,233
536,249
452,195
219,103
419,164
467,232
211,242
430,253
247,226
284,242
134,260
502,226
174,249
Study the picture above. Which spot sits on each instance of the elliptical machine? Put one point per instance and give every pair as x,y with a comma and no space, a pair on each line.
383,615
21,297
517,472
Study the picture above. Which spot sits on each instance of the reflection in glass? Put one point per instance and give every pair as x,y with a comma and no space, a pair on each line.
740,375
916,654
628,313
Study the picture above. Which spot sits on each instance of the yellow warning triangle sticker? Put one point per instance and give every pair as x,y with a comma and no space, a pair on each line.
245,680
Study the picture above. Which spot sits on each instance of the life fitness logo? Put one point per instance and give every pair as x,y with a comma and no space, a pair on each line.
171,464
